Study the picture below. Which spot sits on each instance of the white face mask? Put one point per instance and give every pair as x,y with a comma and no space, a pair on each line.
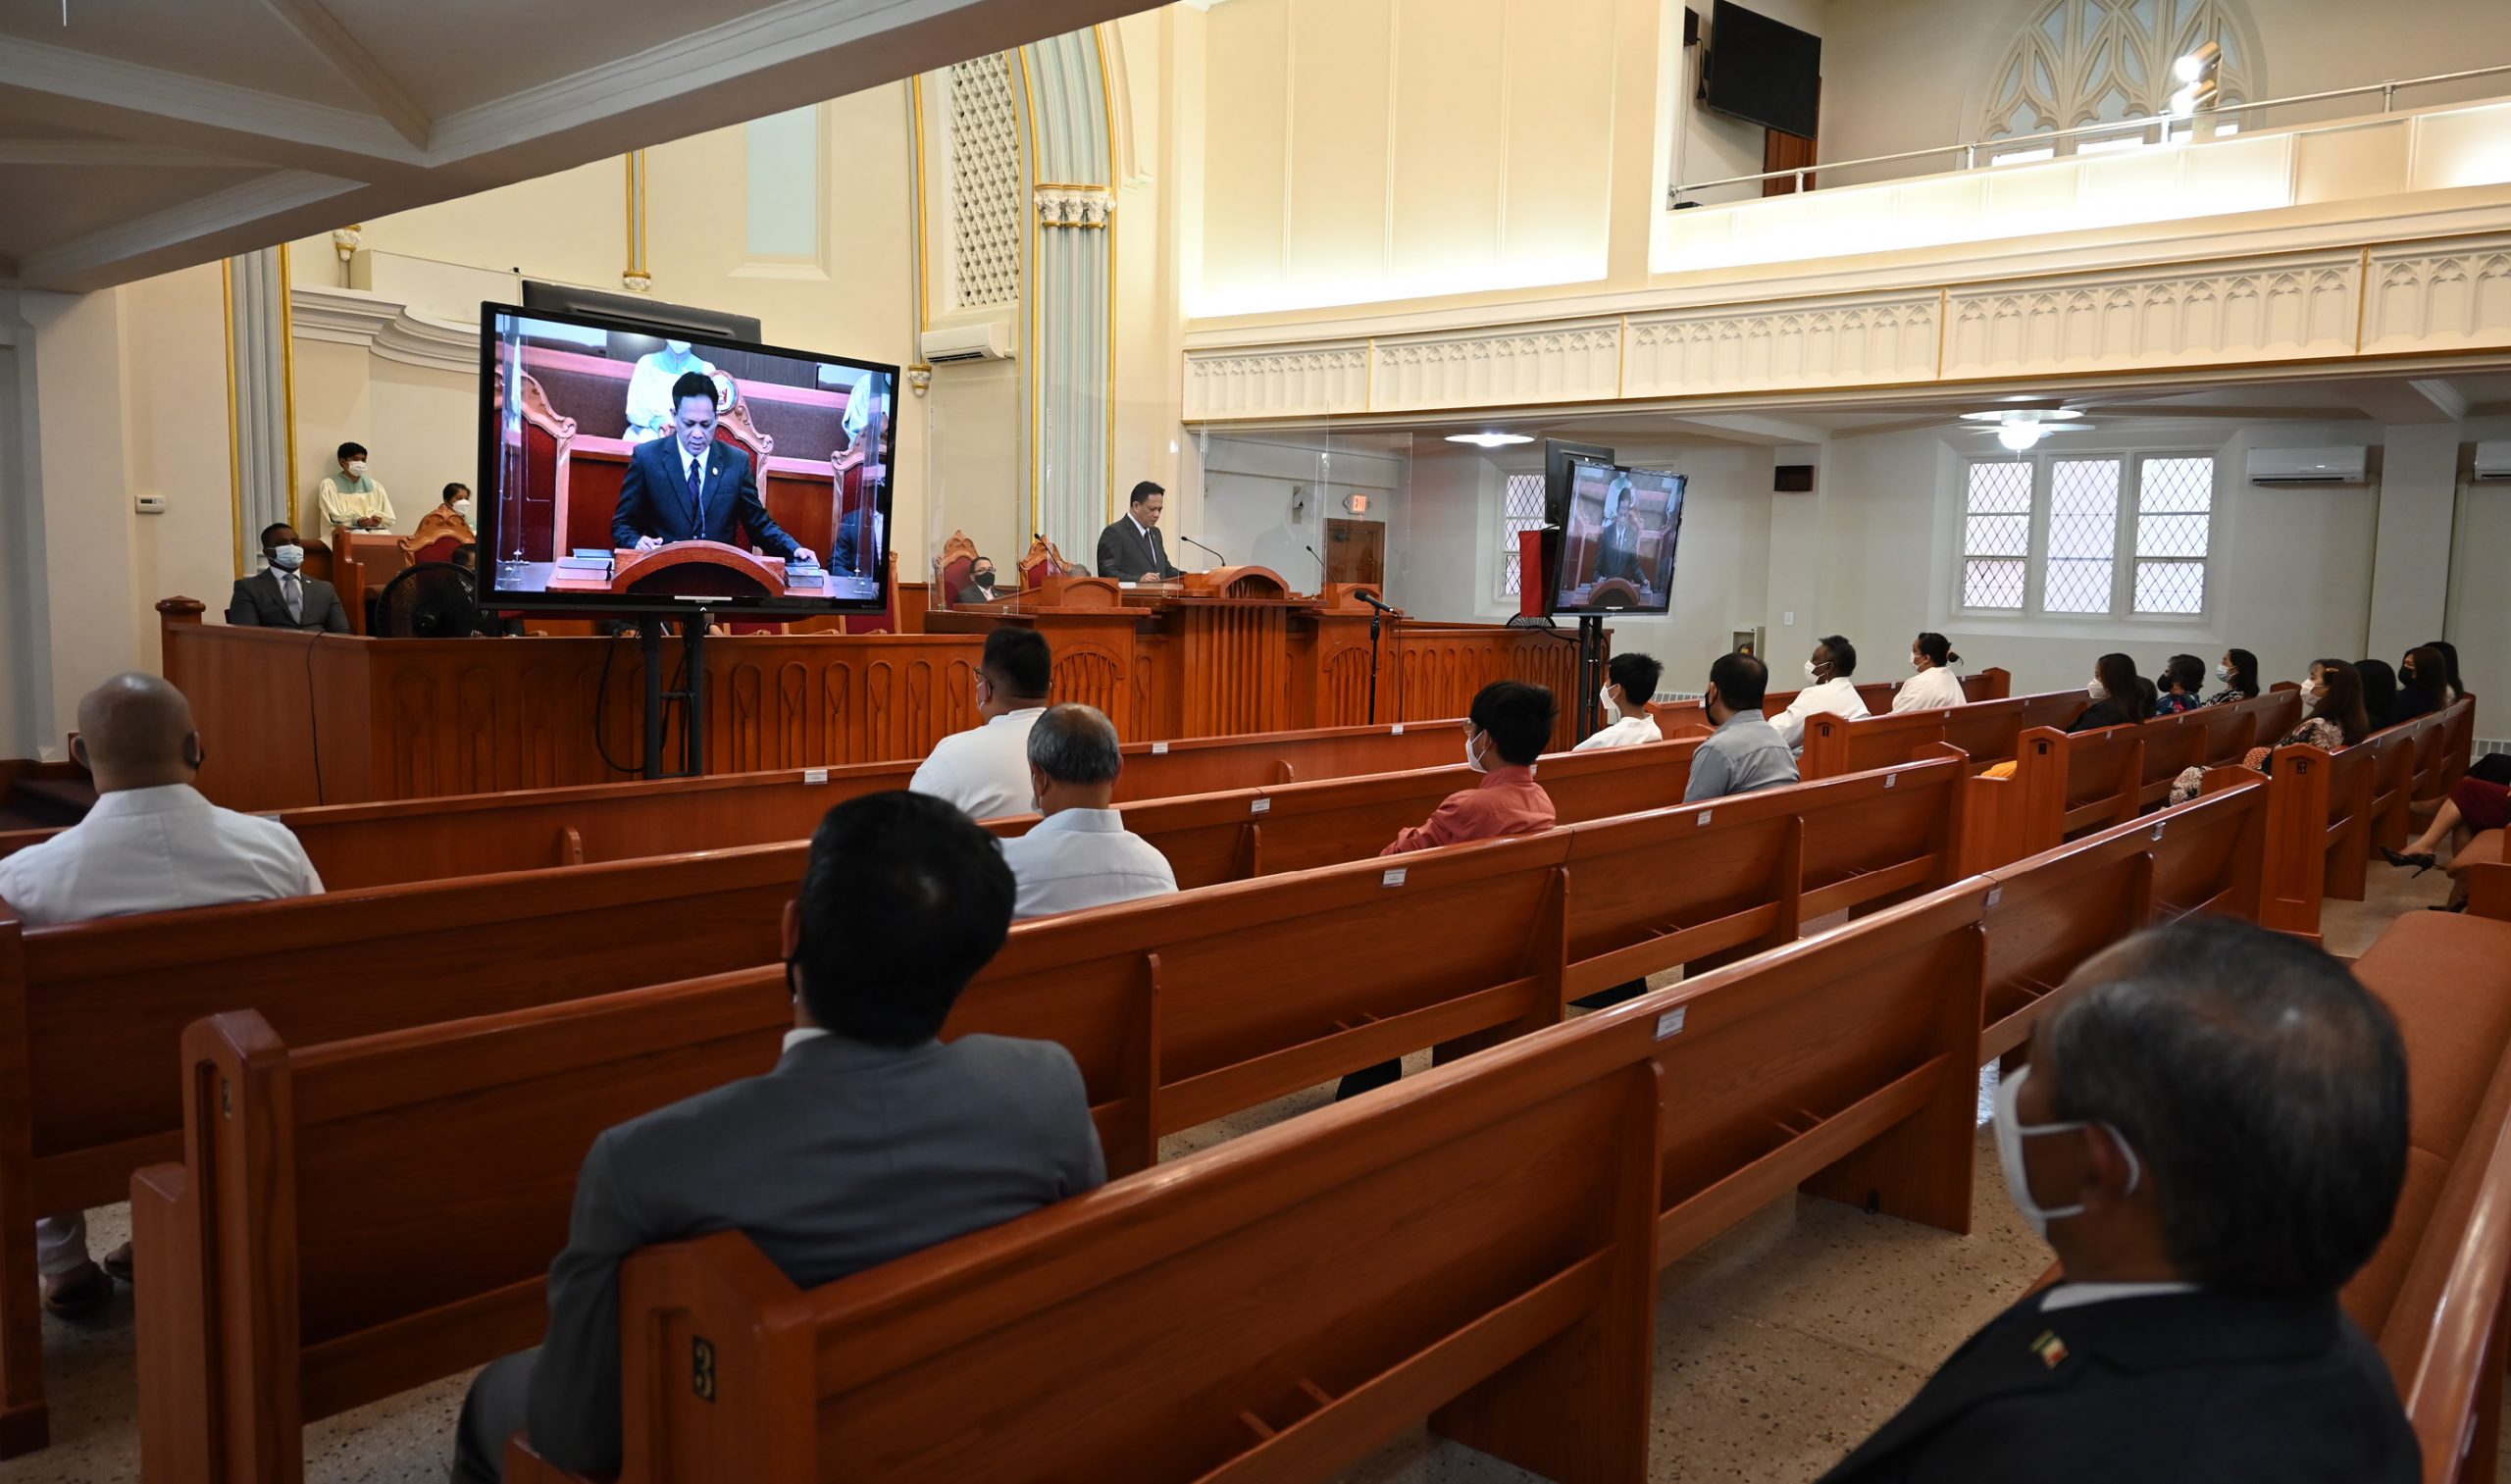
1918,662
1812,673
1474,759
2011,1131
462,508
1604,700
2224,673
357,469
2097,691
288,558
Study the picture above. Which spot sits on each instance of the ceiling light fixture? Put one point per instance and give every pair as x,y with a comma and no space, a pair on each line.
1490,440
2022,428
2196,73
2020,436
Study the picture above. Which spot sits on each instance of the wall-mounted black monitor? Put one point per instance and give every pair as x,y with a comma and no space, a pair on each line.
1764,72
624,466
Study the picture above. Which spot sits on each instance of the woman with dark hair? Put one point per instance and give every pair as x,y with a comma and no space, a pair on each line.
2331,719
1933,683
2117,698
2179,685
2423,684
2379,691
2451,656
2239,670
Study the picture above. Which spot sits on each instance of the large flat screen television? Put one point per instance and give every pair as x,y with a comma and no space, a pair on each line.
1764,72
608,483
1618,540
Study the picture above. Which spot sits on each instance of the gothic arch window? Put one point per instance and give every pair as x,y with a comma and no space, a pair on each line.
2080,62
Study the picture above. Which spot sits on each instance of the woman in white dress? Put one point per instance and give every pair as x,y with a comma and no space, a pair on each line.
1934,683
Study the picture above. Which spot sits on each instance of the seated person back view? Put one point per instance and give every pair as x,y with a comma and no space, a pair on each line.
279,597
1743,753
1631,682
1505,732
1931,683
985,770
150,843
870,1138
1828,691
1080,854
2212,1136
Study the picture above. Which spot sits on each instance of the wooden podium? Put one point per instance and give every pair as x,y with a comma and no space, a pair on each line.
686,570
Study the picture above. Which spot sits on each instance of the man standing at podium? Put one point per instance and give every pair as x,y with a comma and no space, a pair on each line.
690,487
1129,549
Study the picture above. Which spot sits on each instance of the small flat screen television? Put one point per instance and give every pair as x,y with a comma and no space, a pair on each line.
1763,71
1618,540
627,467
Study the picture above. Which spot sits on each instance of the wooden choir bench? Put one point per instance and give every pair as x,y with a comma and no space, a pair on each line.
1173,1023
1985,731
1240,1316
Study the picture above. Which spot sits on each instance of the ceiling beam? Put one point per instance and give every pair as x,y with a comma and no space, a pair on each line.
62,72
2410,400
253,201
95,153
321,30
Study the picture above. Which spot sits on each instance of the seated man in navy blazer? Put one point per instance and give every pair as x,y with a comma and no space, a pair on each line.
2212,1133
690,487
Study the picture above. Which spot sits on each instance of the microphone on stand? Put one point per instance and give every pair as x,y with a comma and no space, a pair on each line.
1199,546
1373,599
1320,561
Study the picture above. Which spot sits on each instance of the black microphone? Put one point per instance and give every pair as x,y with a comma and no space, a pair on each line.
1373,599
1198,545
1320,561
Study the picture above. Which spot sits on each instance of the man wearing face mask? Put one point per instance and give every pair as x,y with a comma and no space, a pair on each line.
2212,1134
981,588
279,596
1828,691
150,845
1630,680
1504,732
451,517
1743,753
350,496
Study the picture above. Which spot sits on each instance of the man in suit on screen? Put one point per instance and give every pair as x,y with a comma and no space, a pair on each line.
690,487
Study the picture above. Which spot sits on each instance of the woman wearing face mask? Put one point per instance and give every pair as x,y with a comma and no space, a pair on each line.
2182,679
451,517
1931,683
2117,698
2333,719
2239,670
2423,684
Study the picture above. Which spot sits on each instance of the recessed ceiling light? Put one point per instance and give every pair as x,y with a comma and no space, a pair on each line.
2010,416
1490,440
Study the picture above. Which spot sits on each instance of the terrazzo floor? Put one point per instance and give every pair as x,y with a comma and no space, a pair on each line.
1779,1344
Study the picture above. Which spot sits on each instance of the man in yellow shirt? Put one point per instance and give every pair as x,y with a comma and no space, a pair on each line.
350,498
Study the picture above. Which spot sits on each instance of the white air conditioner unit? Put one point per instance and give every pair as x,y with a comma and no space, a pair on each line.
981,342
2492,463
2307,466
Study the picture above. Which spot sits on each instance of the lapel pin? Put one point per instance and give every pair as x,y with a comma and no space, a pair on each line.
2051,1350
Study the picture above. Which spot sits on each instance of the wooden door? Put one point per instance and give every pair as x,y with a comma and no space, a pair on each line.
1354,551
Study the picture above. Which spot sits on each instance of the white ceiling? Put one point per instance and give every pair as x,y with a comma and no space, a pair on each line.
148,134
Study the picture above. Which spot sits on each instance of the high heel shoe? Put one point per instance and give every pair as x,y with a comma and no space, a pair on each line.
2422,860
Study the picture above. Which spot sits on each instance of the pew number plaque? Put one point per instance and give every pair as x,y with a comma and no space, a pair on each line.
1670,1023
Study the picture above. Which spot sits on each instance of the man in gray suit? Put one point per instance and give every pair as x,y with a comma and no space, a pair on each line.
870,1140
279,598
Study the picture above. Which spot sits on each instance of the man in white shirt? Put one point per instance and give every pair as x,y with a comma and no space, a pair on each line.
985,770
150,843
1080,854
350,498
1829,690
1630,683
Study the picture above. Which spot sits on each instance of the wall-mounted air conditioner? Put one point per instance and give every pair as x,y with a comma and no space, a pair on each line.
2308,466
981,342
2492,463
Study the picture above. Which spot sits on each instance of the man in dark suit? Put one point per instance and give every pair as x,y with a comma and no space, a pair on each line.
2212,1135
278,598
1130,548
690,487
850,554
870,1140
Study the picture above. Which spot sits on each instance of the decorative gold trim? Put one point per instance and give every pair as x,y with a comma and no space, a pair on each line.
637,274
1037,315
1943,315
287,365
235,439
923,221
2362,298
1108,96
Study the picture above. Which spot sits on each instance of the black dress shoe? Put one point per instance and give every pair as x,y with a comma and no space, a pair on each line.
2422,860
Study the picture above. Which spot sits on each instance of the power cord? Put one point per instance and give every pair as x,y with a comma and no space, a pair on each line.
314,714
601,710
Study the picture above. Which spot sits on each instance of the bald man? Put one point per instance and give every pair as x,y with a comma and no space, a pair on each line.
150,843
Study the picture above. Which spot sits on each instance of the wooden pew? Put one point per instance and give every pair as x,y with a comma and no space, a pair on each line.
467,834
1987,731
1682,718
95,1009
1253,1314
1173,1003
